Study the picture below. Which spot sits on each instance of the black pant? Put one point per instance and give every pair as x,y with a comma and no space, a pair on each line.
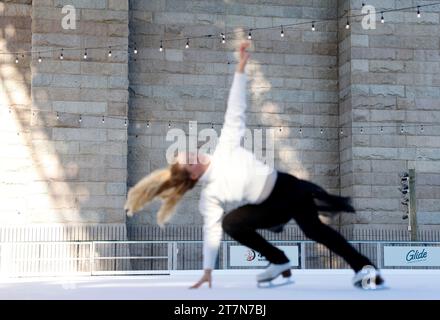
287,200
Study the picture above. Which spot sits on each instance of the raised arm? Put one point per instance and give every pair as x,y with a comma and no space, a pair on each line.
235,125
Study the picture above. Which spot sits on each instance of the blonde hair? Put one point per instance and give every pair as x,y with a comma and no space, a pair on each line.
169,185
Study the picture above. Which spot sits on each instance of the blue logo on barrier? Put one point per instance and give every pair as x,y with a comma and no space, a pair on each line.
416,256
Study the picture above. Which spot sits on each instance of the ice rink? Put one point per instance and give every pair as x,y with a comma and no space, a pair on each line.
230,285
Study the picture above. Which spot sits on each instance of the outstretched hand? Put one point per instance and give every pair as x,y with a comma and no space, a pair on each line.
207,277
244,56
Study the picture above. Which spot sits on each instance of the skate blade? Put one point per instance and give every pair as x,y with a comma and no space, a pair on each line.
271,284
377,287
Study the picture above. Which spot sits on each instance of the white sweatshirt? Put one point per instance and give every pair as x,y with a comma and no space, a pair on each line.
234,173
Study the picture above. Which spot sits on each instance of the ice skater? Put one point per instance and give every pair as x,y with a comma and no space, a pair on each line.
272,198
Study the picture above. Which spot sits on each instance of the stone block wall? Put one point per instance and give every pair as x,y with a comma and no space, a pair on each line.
57,169
293,81
394,114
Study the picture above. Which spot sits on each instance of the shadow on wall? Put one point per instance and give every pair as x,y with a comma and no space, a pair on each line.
43,192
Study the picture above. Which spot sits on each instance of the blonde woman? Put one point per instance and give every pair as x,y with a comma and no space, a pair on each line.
272,198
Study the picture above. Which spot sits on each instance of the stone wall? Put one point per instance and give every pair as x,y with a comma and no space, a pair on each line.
67,173
293,81
393,72
57,169
15,102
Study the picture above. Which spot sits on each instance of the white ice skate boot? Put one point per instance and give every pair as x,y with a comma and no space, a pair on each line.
368,278
273,271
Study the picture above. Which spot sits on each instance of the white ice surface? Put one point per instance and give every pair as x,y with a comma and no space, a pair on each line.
228,285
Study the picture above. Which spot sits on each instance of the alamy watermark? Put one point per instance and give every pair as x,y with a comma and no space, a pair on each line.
261,142
369,20
68,22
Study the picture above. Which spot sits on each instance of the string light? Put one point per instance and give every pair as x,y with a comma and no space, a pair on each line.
62,54
223,38
419,7
39,58
109,51
259,126
187,43
16,59
282,32
161,46
85,54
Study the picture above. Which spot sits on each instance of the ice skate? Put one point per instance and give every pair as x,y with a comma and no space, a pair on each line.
265,279
369,278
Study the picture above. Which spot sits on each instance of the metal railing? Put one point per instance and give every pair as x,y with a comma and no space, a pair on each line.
160,257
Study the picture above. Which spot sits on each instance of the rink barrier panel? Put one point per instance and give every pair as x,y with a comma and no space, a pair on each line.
60,258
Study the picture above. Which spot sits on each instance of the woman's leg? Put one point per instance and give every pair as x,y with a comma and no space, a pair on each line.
241,225
308,220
